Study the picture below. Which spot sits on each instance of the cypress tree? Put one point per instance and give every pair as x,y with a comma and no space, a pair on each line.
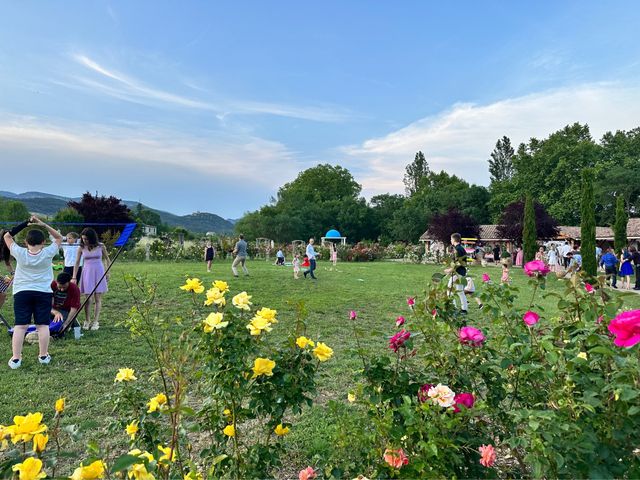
620,225
588,224
529,232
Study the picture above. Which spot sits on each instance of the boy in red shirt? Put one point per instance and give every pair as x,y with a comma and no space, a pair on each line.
66,301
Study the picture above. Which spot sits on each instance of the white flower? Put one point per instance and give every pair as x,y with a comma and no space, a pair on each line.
441,395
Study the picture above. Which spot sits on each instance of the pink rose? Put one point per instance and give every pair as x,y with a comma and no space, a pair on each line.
536,268
588,287
465,399
531,318
399,321
626,328
434,313
411,301
395,458
423,393
471,336
486,278
487,455
398,339
599,320
307,474
353,315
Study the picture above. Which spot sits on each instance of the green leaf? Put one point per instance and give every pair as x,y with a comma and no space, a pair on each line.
123,462
633,410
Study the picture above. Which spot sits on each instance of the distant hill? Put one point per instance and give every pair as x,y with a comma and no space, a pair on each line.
48,204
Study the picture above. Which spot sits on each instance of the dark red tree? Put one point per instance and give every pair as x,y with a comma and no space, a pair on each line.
442,225
102,210
512,222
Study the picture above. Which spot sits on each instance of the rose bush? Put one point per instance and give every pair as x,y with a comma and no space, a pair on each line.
519,394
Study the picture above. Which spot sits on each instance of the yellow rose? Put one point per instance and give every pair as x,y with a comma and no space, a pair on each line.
136,452
132,429
351,397
92,471
193,285
159,402
221,285
268,314
281,431
322,352
214,322
302,342
263,366
582,355
25,427
168,455
139,472
258,325
216,296
125,375
30,469
229,431
241,301
40,442
226,412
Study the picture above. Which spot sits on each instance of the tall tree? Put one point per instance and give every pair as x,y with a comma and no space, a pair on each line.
511,222
442,225
501,161
68,215
529,231
620,225
415,172
13,211
102,210
588,224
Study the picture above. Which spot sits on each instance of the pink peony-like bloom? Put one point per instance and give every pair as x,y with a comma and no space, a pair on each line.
588,287
536,268
626,328
465,399
530,318
487,455
399,321
411,301
307,474
423,393
441,395
353,315
398,339
471,336
486,278
395,458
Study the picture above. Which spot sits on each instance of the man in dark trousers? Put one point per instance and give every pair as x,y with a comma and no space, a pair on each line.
635,257
610,263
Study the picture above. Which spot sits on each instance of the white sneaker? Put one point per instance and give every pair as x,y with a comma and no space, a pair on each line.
45,360
95,326
13,364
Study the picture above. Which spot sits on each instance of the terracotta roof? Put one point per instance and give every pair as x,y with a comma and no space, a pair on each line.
489,233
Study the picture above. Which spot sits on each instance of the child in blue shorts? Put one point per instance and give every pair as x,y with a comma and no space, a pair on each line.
32,294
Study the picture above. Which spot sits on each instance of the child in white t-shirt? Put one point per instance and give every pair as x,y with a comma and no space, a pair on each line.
32,294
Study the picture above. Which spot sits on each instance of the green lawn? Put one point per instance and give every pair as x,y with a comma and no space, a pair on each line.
83,371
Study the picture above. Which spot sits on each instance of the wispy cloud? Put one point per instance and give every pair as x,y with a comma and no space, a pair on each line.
460,139
128,88
251,159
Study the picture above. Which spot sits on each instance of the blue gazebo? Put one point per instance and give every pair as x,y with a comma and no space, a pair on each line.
333,236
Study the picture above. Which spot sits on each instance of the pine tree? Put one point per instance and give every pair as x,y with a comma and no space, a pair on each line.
588,224
415,171
620,225
529,233
501,161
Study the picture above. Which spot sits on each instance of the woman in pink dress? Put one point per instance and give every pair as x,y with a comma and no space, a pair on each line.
520,257
334,254
94,254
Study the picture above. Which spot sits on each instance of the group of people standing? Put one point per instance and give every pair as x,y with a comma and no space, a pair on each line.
37,297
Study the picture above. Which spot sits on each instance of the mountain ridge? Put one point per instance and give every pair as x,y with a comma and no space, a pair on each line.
49,204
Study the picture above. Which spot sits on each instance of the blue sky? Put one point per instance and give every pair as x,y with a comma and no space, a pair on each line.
209,106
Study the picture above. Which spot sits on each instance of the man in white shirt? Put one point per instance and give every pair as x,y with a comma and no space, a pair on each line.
32,294
312,254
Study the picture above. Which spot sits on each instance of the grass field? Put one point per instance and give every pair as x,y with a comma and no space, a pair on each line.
83,371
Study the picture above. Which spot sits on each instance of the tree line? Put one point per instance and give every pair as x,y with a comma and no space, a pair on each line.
549,170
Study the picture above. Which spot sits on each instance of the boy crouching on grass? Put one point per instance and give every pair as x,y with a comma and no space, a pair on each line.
32,295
